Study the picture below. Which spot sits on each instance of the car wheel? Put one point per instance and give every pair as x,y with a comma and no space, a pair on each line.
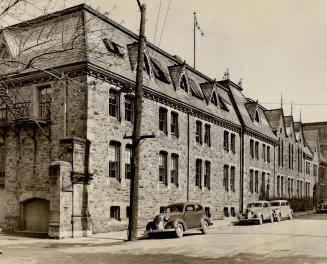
271,218
179,230
290,216
279,217
205,227
260,221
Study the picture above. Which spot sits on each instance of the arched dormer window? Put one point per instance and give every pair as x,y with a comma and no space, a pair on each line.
183,83
213,99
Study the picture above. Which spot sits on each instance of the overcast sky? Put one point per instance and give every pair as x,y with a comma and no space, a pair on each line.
276,46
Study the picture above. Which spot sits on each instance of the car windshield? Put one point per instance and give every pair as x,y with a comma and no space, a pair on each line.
174,208
251,205
275,204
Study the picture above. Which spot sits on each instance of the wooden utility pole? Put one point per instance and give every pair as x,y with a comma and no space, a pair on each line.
134,192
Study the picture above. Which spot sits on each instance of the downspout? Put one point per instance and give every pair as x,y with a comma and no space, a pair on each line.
188,156
241,170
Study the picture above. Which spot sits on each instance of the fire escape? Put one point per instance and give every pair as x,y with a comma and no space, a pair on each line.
15,110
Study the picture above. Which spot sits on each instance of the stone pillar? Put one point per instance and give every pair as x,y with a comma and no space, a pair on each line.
61,192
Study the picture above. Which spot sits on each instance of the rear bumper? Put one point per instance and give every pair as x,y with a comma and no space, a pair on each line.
155,231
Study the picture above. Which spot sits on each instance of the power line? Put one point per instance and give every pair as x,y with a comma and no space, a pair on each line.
155,34
313,104
164,23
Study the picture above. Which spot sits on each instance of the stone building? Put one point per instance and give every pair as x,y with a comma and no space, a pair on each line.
67,102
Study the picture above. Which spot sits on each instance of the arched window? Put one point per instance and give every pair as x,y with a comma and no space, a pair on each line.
214,98
183,83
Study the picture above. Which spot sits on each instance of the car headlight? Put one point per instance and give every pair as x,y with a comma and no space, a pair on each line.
166,218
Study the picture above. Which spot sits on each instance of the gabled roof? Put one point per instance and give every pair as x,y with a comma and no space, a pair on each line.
252,108
299,131
240,101
289,123
207,90
176,72
273,117
311,137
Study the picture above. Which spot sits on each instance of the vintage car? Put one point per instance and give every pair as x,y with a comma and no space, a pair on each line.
281,209
322,206
257,212
178,218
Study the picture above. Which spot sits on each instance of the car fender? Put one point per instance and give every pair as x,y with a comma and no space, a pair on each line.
175,222
149,224
205,218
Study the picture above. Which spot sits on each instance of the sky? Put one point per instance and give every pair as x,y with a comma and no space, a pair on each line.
278,47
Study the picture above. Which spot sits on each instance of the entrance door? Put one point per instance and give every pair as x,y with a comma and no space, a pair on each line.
36,215
2,205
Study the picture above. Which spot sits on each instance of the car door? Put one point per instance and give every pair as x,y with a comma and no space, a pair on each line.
283,210
266,212
198,215
190,216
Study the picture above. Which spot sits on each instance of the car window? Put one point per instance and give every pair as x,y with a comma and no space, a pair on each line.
283,203
252,205
189,208
265,205
174,208
198,207
286,203
274,204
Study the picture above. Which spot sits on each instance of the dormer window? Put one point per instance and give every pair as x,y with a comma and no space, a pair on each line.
183,84
112,47
159,72
214,100
146,65
257,118
222,103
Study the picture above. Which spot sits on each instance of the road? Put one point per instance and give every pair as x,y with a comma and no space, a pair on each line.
302,240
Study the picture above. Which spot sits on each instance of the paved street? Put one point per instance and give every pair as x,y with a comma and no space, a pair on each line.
302,240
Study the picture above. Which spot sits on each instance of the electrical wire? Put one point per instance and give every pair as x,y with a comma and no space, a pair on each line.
155,34
164,23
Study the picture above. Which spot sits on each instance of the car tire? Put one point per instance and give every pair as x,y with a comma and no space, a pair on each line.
260,221
179,231
271,218
205,227
290,216
279,217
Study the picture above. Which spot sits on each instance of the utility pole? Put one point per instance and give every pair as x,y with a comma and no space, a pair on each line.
134,191
194,35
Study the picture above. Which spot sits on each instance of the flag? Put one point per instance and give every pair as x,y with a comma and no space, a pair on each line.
198,26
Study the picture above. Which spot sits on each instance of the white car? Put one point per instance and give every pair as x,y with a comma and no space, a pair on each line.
257,212
282,210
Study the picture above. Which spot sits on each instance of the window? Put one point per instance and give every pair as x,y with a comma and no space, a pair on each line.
282,154
226,139
45,94
198,173
174,169
315,170
146,65
263,184
225,179
232,179
207,211
232,142
2,164
183,83
163,167
292,187
163,120
257,118
252,148
174,124
278,185
112,47
114,160
226,212
115,212
207,136
214,100
289,187
264,152
198,135
256,182
159,72
232,211
289,156
128,167
129,108
114,104
307,167
282,186
207,171
257,150
251,181
292,157
268,154
162,209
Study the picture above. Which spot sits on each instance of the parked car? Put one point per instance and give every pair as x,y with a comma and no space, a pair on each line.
257,212
178,218
281,209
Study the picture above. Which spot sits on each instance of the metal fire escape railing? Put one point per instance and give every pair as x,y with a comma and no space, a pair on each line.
17,110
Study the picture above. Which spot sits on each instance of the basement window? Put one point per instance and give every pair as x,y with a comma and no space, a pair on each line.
115,212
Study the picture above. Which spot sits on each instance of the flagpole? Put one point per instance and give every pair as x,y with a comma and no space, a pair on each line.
194,40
